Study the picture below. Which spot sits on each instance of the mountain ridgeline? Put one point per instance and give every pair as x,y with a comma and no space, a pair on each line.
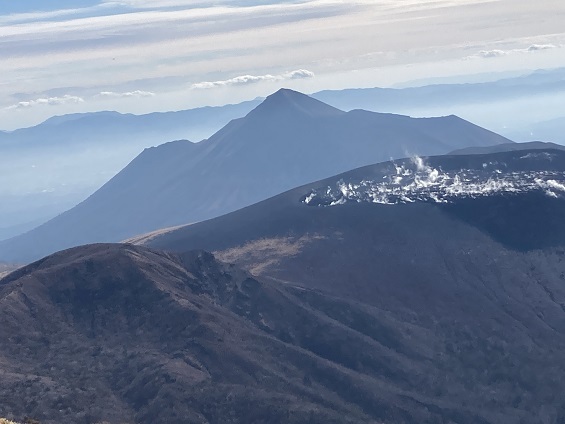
514,197
288,140
55,165
51,167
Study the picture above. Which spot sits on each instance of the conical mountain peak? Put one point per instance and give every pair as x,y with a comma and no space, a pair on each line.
289,101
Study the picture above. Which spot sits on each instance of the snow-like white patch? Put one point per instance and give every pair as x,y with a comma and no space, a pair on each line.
555,185
309,198
538,155
423,183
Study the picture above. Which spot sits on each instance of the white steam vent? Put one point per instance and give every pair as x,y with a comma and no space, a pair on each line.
422,183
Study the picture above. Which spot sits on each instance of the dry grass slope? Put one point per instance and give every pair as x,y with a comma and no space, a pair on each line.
27,420
265,253
5,269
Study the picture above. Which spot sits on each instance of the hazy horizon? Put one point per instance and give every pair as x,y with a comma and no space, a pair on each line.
142,56
145,56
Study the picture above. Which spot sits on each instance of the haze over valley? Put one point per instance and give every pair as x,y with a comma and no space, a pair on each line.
53,166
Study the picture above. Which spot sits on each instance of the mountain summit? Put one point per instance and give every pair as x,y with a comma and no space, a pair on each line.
288,140
285,103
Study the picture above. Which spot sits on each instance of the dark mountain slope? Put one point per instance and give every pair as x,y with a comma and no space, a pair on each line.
503,178
479,264
124,334
290,139
394,293
129,335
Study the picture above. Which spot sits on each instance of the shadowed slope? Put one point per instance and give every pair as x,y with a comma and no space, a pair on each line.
124,334
485,275
129,335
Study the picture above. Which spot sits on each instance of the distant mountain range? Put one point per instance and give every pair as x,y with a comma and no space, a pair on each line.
538,83
418,290
523,108
288,140
75,130
55,165
551,130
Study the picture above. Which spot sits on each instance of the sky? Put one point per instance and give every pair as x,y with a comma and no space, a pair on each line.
139,56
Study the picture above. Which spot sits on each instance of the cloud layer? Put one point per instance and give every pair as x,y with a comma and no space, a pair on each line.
487,54
128,94
251,79
46,101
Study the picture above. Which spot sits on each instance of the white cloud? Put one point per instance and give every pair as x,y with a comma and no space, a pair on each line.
251,79
47,101
299,74
487,54
136,93
536,47
492,53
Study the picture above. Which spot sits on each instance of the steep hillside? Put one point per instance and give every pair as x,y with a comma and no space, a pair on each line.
416,291
470,249
122,334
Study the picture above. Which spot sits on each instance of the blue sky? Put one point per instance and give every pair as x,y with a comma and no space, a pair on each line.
19,6
145,55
